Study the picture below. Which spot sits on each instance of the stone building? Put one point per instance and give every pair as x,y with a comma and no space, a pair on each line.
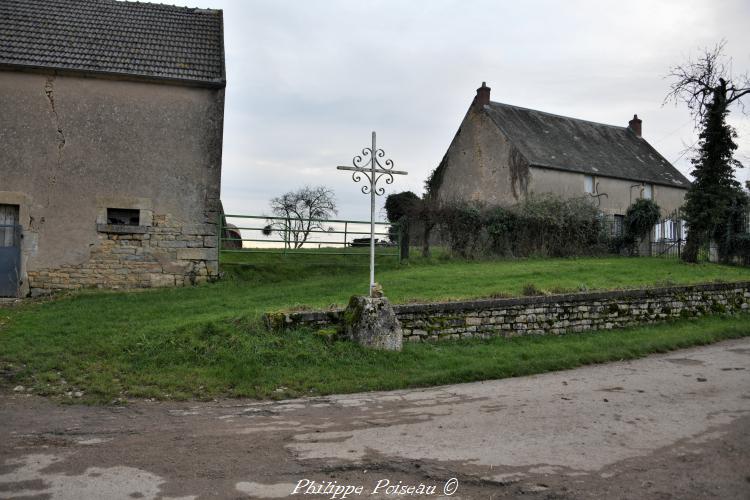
111,118
502,154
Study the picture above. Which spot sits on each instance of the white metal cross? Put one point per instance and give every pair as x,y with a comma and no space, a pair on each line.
373,171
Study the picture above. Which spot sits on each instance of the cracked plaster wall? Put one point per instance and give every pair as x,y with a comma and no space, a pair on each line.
70,147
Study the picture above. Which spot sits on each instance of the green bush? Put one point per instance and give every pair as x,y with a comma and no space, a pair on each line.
463,224
539,226
731,236
501,224
398,207
555,227
639,219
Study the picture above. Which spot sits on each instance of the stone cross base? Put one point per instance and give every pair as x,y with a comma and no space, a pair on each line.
371,322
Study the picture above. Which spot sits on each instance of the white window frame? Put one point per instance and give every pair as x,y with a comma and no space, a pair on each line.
589,184
669,229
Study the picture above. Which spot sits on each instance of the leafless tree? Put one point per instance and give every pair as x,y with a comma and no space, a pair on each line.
698,83
300,212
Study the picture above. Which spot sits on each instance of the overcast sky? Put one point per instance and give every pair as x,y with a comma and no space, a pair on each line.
307,81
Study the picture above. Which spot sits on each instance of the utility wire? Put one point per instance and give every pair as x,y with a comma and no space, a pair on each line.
673,132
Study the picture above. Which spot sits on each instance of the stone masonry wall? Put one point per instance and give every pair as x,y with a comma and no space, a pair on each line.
165,253
75,147
545,315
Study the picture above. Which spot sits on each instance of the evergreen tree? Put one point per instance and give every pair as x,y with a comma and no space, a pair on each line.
714,190
715,193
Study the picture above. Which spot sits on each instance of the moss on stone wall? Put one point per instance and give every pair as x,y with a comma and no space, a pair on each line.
542,315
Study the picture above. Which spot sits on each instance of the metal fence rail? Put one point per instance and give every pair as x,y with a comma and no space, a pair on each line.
280,235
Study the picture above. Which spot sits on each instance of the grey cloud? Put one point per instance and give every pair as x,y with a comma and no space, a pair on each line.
308,81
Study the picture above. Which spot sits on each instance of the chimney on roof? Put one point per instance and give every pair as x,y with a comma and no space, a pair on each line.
483,95
635,125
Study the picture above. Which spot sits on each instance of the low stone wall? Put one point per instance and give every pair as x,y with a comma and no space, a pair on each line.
543,315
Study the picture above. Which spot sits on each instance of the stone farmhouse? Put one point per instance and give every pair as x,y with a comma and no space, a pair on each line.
502,154
110,144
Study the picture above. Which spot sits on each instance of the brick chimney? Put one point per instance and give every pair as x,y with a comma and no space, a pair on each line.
635,125
483,95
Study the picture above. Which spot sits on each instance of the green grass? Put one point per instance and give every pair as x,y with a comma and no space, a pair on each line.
445,279
207,341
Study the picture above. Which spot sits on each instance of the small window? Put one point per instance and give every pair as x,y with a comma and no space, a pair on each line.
588,184
648,191
123,216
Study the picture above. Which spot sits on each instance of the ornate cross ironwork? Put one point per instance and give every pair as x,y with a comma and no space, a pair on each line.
367,164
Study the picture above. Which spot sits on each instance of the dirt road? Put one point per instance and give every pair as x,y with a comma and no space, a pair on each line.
668,426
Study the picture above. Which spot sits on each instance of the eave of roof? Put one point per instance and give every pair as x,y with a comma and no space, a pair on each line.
112,75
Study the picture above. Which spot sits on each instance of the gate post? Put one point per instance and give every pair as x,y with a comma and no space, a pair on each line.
220,233
403,239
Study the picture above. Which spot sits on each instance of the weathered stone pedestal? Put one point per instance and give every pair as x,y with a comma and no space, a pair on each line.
371,322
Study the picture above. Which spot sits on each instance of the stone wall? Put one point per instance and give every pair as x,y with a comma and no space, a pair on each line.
74,147
164,253
545,315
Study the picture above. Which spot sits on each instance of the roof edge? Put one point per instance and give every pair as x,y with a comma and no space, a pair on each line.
115,75
167,6
220,12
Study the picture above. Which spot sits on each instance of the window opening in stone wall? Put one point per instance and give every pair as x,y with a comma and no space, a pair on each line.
123,216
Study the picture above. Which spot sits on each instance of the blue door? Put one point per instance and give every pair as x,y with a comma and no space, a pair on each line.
10,251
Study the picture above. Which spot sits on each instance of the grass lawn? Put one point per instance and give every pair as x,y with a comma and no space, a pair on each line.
207,341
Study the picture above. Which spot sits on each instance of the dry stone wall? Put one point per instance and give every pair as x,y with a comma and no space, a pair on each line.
545,315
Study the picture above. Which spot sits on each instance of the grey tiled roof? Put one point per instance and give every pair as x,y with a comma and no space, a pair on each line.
563,143
114,37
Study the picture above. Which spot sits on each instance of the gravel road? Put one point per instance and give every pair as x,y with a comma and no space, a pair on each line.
668,426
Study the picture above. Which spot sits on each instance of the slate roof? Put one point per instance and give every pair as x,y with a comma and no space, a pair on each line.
564,143
113,37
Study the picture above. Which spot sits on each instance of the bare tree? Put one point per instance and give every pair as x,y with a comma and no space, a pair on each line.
703,83
300,212
708,88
